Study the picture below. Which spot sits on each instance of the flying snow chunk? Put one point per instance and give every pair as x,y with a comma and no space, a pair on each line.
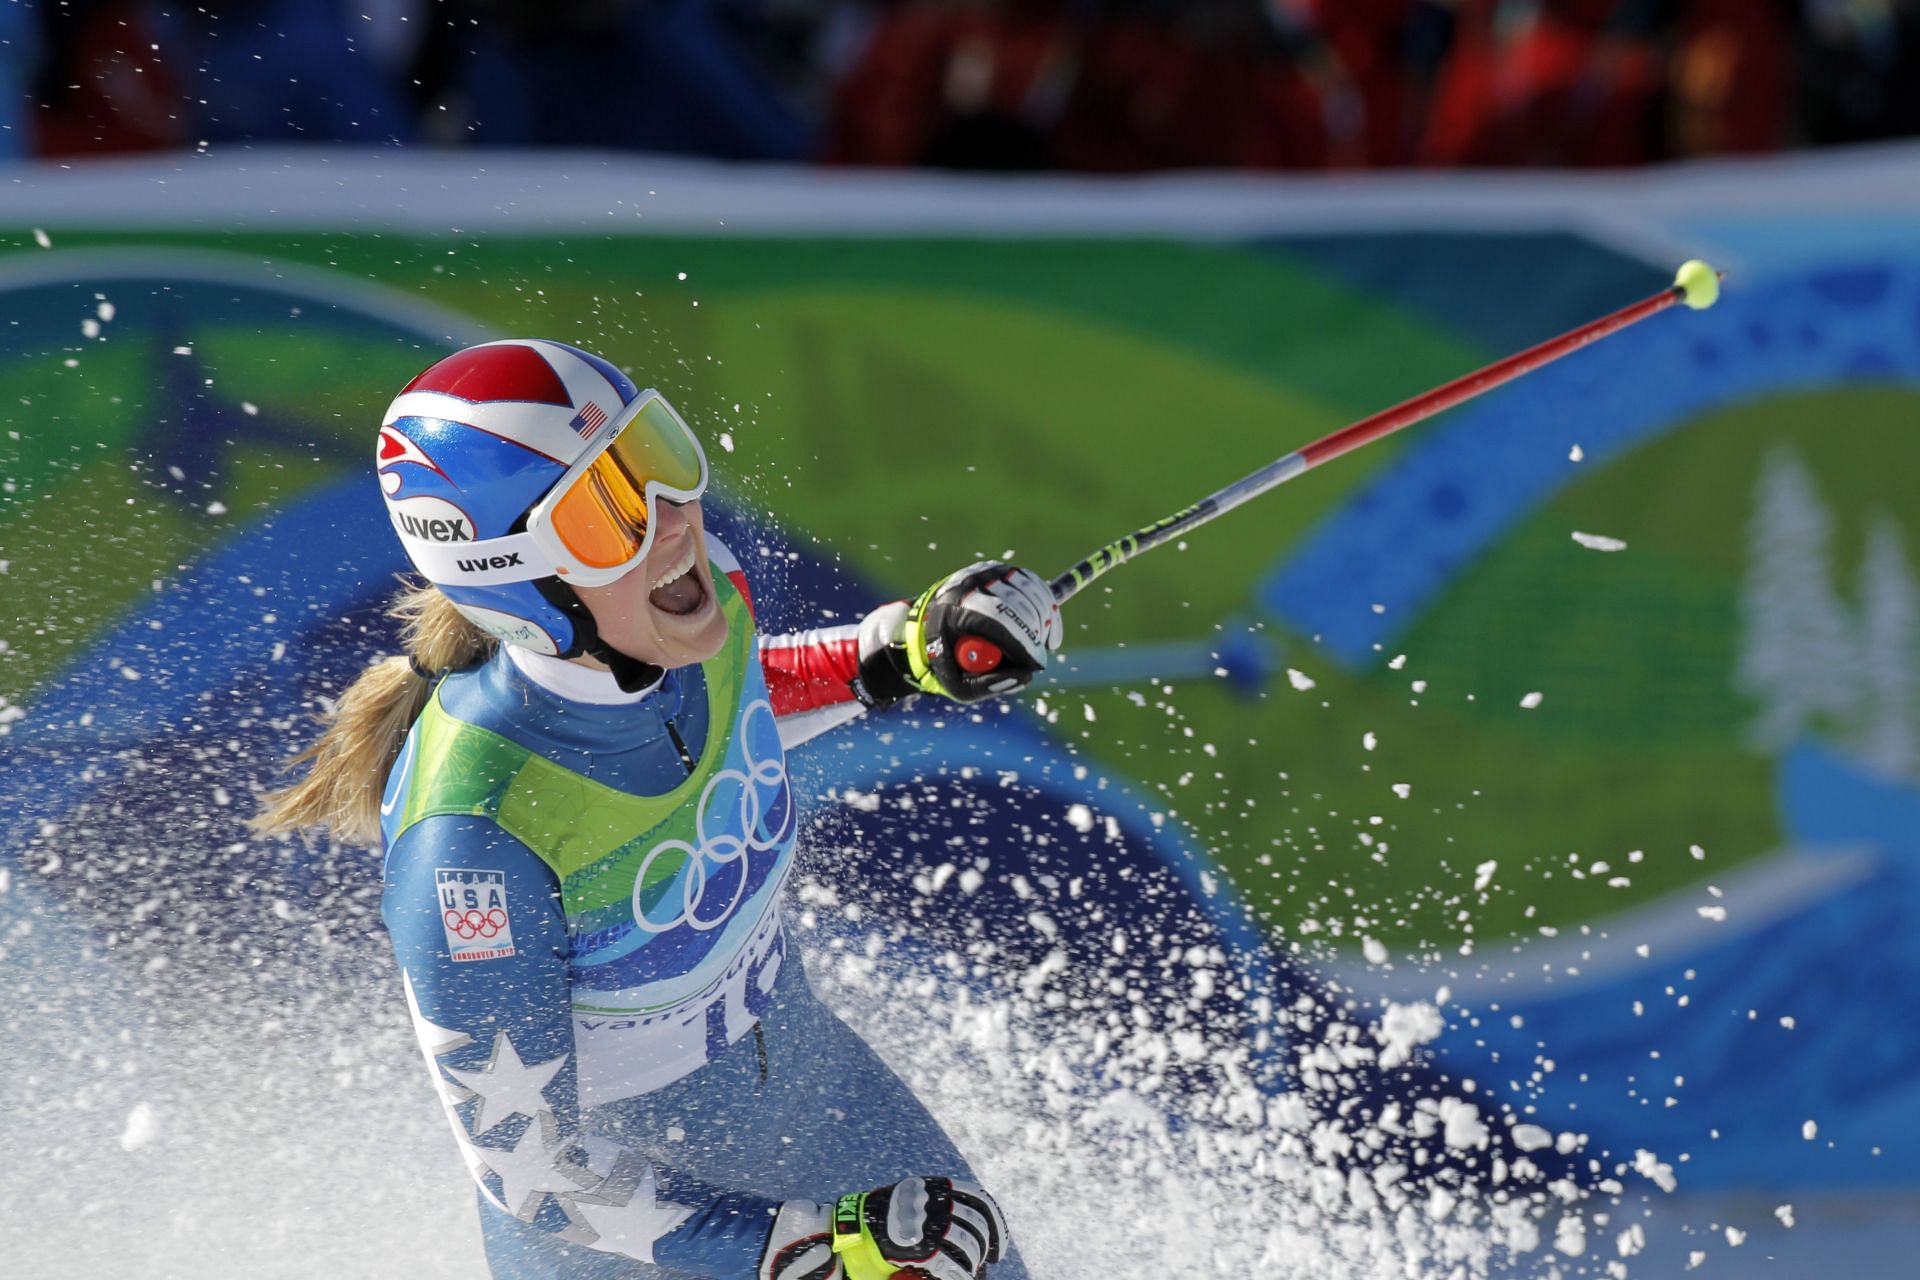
1655,1170
42,239
1715,914
183,351
249,408
1483,874
1403,1027
1598,541
216,508
863,801
1374,950
1810,1130
1403,789
1532,700
1531,1137
140,1129
1368,741
1464,1129
89,328
1576,453
1785,1214
105,312
1736,1237
1299,680
726,441
1080,818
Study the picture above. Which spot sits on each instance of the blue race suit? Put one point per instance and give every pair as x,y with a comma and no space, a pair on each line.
657,1163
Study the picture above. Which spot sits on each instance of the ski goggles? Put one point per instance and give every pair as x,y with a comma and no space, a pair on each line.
597,521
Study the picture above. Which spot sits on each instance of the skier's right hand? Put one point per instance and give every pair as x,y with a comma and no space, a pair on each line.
918,1229
979,633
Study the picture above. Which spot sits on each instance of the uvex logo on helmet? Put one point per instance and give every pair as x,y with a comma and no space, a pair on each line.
483,563
431,520
433,530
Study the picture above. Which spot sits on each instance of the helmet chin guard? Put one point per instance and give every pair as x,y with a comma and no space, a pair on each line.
630,673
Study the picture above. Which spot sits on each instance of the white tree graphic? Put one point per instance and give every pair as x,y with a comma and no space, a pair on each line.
1889,628
1798,653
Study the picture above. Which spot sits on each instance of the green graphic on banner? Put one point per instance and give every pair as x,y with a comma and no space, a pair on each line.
915,403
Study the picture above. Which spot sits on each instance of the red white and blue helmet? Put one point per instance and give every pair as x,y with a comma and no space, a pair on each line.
475,452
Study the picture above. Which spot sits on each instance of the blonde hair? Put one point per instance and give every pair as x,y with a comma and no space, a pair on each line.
365,730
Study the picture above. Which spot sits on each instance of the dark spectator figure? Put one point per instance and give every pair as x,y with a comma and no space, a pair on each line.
1860,70
1550,82
1730,79
19,59
654,75
102,86
129,75
1120,87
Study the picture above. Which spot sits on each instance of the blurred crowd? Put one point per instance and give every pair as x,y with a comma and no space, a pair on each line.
1089,85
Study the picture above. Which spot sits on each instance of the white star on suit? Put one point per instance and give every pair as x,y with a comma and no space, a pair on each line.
508,1086
435,1040
631,1228
528,1170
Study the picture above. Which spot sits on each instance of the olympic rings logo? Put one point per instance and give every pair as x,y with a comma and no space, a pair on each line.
474,923
762,786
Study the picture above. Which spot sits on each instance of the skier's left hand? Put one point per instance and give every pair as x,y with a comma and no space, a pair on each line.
918,1229
983,631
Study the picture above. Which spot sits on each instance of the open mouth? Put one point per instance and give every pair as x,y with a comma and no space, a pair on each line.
678,589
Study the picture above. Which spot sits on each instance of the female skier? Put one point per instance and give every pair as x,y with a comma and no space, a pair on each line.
588,830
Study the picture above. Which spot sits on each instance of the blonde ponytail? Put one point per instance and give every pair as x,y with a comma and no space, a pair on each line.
367,727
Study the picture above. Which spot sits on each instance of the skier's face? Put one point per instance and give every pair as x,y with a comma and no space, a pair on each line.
664,611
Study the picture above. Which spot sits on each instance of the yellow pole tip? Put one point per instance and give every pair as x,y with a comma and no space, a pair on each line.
1699,285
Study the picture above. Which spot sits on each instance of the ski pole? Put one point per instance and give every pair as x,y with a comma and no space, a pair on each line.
1696,284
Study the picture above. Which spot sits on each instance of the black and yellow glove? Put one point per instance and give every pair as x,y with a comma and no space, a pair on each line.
918,1229
984,631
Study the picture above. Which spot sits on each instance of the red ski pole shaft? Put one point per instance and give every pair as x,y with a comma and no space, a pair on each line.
1481,381
1697,285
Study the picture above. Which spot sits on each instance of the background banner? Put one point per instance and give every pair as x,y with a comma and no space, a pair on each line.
1640,823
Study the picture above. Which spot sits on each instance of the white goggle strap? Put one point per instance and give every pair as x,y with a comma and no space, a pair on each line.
488,562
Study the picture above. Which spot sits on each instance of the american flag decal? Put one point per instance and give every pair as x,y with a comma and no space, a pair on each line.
589,419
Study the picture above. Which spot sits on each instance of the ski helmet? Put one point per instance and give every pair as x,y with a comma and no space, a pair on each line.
472,458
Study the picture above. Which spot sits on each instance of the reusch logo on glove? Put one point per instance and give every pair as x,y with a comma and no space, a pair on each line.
1014,616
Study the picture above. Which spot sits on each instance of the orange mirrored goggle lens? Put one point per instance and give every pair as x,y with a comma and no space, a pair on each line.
602,518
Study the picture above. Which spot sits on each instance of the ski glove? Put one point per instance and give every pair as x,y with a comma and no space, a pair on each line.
919,1229
983,631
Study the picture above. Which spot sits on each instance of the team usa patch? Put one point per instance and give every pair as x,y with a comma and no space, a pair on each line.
473,911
